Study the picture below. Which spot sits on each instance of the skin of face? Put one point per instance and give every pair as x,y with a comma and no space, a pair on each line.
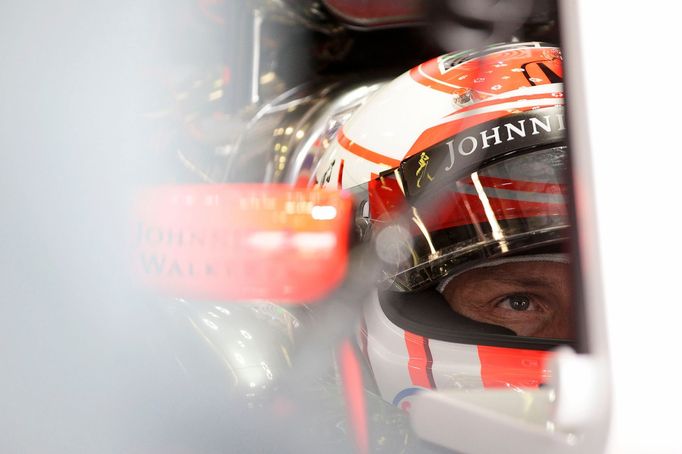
530,298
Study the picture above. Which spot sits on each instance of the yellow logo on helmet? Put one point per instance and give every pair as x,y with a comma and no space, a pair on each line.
421,171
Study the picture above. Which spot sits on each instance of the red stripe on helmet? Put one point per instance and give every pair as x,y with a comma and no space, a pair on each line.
385,197
457,209
511,367
420,360
363,152
498,100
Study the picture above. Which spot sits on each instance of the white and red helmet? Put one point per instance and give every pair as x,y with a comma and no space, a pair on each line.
457,164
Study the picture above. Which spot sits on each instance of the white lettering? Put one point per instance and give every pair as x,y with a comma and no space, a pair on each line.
521,132
560,118
544,125
452,155
474,144
495,135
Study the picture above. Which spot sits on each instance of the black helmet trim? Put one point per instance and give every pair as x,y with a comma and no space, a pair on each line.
468,150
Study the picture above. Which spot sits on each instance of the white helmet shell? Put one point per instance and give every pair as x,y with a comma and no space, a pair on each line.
421,108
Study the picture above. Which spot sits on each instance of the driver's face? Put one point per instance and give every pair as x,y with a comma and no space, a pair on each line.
529,298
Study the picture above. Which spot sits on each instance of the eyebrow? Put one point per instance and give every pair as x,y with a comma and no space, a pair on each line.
523,281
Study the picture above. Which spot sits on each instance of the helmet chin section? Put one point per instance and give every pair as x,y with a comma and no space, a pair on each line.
405,363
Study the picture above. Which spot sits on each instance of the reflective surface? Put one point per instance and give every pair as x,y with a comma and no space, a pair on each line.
255,342
285,139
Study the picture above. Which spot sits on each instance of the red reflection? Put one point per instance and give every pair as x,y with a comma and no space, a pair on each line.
510,367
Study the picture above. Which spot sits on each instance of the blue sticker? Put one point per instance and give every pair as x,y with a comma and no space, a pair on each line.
407,392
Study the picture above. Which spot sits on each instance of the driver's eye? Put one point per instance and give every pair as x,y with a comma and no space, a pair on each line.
516,303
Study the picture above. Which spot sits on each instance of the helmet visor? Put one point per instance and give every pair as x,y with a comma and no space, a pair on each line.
508,207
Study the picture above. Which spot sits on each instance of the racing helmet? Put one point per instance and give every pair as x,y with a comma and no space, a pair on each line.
458,167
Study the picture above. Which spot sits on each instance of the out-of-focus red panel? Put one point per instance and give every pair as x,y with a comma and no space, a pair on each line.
354,392
241,242
511,367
